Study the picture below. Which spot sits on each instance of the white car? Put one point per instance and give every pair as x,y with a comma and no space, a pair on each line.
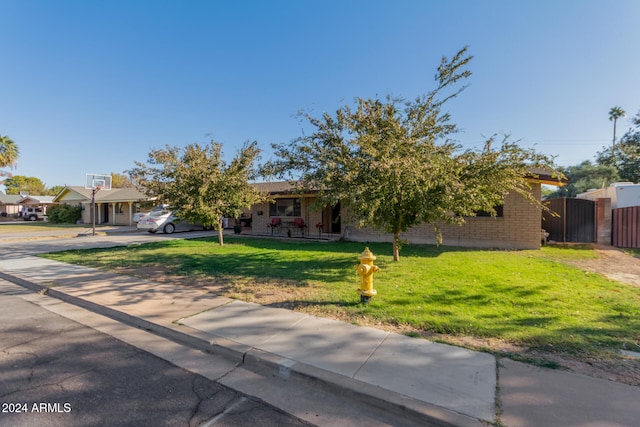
167,222
138,215
33,214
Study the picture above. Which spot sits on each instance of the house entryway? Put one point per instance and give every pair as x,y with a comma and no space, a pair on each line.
331,220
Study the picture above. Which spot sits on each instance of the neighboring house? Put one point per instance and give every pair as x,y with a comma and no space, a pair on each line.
115,206
622,194
617,218
9,204
36,202
516,227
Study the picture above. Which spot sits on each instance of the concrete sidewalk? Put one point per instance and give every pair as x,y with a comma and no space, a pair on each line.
62,233
424,382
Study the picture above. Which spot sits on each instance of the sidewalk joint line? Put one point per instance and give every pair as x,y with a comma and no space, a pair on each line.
371,354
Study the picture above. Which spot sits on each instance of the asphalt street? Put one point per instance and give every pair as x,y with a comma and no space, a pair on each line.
56,372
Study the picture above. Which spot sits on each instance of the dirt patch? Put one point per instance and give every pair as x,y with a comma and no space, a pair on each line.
611,263
614,264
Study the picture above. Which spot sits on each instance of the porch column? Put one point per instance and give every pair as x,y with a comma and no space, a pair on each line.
130,213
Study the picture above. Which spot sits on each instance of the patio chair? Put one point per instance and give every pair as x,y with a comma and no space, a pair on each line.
276,223
299,224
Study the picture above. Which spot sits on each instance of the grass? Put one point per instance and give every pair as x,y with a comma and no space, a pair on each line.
536,299
634,252
15,227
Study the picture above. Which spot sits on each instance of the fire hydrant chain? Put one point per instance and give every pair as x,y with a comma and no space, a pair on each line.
366,270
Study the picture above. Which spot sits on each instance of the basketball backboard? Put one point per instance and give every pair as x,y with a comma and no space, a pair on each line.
96,181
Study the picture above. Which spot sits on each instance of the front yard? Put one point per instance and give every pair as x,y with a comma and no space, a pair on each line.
21,226
531,305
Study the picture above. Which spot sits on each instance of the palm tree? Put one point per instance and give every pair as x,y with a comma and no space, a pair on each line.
8,152
614,114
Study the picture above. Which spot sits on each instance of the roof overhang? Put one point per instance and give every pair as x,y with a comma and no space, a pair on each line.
546,176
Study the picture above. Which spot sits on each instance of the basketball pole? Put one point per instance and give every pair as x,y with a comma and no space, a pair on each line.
94,190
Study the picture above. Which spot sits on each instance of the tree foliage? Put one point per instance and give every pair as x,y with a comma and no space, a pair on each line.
8,152
625,156
393,165
584,176
53,191
199,183
614,114
119,180
25,184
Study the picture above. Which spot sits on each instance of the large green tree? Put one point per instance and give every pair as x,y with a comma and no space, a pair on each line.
392,164
197,181
26,184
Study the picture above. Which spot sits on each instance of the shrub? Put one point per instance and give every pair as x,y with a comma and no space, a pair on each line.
64,214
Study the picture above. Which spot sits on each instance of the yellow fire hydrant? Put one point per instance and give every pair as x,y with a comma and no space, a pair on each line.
366,270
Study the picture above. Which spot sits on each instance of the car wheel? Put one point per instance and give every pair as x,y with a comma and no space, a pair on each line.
169,228
33,218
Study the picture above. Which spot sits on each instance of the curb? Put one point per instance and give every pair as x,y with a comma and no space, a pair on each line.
272,365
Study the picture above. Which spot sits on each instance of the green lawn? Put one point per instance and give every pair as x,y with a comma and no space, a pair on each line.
16,227
531,298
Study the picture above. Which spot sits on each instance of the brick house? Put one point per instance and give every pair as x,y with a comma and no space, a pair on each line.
517,225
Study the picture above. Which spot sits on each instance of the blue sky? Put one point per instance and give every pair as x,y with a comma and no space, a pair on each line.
90,86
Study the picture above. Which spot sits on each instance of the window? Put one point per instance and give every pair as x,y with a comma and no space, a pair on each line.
285,207
499,212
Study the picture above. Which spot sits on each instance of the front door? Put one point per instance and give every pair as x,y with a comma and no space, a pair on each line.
335,219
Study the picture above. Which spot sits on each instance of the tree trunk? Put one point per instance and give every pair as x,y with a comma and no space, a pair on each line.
220,230
613,145
396,246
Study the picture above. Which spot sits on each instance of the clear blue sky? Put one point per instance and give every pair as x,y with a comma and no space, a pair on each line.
92,86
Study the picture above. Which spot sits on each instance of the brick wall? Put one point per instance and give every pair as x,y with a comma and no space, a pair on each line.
519,228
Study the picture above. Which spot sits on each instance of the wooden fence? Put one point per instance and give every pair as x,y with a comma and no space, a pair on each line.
626,227
572,220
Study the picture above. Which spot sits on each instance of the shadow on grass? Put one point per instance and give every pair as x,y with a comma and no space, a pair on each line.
261,265
300,262
354,248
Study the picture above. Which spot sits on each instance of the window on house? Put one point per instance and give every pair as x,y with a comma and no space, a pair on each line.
499,212
285,207
120,208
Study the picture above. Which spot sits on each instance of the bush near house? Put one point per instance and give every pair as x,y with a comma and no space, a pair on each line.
64,214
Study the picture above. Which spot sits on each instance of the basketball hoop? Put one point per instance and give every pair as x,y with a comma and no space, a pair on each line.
96,182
